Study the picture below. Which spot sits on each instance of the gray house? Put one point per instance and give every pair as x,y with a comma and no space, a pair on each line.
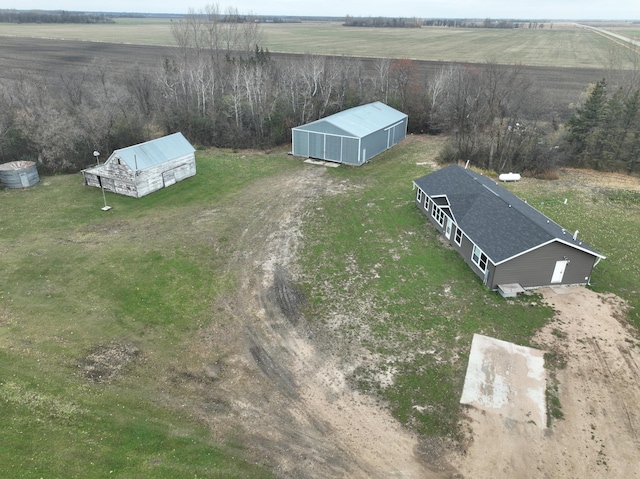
144,168
352,136
505,241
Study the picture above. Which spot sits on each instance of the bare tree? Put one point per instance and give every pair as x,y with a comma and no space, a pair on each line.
381,79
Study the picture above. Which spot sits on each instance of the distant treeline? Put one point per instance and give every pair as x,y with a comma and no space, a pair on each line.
388,22
62,16
220,88
382,22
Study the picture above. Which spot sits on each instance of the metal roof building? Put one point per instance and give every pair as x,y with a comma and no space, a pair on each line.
352,136
502,238
144,168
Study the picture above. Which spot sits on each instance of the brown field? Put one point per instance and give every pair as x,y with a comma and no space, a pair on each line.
560,87
559,44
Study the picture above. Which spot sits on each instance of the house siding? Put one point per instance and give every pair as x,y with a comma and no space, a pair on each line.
520,244
536,267
466,246
532,269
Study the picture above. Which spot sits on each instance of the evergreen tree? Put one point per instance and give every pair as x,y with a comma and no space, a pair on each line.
583,126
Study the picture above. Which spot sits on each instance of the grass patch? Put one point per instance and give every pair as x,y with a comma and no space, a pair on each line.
97,306
128,289
406,305
608,219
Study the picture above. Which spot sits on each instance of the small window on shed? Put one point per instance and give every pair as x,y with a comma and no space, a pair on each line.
419,197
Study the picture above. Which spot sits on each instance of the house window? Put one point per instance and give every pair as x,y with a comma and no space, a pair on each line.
419,198
479,258
438,215
458,236
426,202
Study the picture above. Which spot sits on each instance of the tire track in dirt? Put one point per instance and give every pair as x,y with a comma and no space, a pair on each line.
290,404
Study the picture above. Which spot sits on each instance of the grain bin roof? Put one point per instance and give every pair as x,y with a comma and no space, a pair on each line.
154,152
357,122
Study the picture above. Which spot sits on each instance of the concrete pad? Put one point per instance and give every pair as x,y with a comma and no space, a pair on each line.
330,164
506,379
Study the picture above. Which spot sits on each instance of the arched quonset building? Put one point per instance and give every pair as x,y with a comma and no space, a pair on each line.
352,136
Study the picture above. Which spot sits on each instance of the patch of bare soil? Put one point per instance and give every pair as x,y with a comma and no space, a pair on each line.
267,383
599,392
106,362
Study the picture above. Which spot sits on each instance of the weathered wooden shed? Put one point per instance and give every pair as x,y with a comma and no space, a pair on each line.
505,241
352,136
144,168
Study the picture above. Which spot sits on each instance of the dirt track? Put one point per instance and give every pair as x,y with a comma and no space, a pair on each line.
272,388
266,383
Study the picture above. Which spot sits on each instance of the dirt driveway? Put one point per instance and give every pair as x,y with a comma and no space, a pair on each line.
260,378
599,392
264,382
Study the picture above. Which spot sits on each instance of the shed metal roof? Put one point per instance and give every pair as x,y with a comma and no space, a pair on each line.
496,220
357,122
154,152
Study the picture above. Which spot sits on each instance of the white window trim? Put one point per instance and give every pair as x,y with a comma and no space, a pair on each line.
480,254
419,198
455,236
438,215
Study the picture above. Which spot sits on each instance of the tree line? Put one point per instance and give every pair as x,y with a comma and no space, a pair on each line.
604,133
222,89
44,16
382,22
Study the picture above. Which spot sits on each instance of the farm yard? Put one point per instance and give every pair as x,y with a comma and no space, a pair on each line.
251,318
269,318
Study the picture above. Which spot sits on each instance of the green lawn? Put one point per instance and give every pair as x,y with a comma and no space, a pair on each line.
383,285
77,280
139,281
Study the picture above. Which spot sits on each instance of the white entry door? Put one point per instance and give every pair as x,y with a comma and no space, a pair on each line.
558,271
447,229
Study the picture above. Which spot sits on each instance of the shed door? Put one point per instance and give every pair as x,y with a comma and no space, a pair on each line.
447,230
558,271
169,177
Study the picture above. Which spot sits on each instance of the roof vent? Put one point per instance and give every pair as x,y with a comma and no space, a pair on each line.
575,235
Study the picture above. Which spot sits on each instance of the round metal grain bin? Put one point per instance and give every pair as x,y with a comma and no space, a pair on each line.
18,174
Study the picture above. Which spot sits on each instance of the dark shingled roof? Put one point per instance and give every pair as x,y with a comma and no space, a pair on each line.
497,221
